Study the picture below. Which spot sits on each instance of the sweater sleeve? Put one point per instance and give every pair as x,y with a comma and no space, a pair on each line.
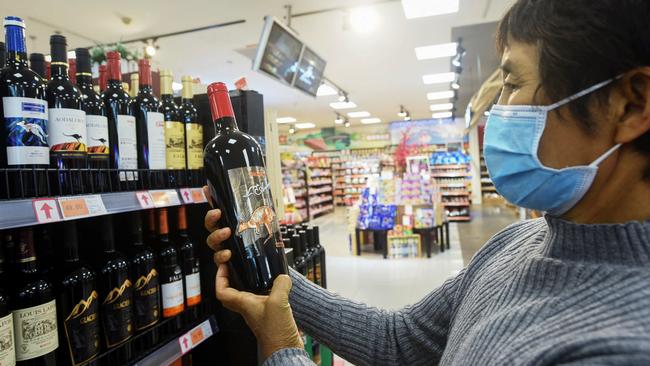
363,335
289,357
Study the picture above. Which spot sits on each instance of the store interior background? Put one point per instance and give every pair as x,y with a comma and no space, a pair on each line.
369,49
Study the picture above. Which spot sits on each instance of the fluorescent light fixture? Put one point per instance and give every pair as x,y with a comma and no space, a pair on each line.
441,95
436,51
176,86
343,105
441,107
440,115
360,114
444,77
369,121
325,90
304,125
285,120
364,19
426,8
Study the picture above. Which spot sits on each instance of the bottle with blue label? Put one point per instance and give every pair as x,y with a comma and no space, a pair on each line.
23,131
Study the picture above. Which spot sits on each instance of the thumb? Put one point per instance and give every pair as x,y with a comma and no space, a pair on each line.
280,290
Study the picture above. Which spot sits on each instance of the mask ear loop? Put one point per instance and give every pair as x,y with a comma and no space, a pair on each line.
605,155
581,94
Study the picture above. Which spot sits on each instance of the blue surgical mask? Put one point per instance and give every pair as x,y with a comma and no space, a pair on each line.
512,137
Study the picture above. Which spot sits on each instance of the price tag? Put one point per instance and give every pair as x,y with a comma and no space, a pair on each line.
81,206
195,336
186,195
46,210
145,199
186,343
198,196
165,198
408,210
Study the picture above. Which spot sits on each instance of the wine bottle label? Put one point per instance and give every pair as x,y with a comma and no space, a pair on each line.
172,295
175,141
67,131
147,309
35,331
254,206
7,350
310,273
193,288
97,131
156,140
116,314
82,330
26,127
194,143
127,140
317,272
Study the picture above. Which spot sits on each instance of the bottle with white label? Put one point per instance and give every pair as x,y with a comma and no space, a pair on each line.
67,120
23,113
171,275
190,265
121,121
33,307
150,126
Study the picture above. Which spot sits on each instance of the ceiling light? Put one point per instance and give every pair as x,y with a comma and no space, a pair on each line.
436,51
407,117
305,125
176,86
359,114
441,107
455,85
343,105
325,90
441,95
369,121
285,120
442,115
402,112
426,8
347,123
364,19
444,77
292,130
150,50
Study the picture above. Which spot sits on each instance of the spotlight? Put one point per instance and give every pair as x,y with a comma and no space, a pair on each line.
407,117
339,119
292,130
150,48
347,123
455,85
343,97
402,111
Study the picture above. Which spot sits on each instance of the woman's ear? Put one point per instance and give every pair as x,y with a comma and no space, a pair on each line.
630,101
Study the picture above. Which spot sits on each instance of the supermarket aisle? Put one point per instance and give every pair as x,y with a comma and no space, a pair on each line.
487,220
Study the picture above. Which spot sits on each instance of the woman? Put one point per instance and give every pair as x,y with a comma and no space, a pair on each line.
572,288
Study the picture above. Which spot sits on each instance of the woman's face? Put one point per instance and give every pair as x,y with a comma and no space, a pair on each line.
565,142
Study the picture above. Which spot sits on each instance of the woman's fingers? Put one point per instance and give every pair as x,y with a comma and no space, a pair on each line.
228,296
217,237
222,256
211,219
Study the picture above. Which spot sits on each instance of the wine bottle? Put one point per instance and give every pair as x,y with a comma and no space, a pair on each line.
152,237
96,122
193,133
72,70
171,274
37,64
78,304
190,265
234,164
134,85
121,122
103,78
34,308
319,262
7,349
151,127
116,294
24,109
174,129
3,53
298,259
146,289
309,264
67,121
45,250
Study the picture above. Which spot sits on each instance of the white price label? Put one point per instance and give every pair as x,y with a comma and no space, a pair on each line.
46,210
186,195
145,199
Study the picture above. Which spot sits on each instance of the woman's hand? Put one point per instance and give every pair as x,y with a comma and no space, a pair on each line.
269,317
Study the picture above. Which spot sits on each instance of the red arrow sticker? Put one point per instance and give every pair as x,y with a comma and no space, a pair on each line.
46,210
144,198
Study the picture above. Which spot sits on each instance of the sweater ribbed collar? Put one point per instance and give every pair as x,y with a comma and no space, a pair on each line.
623,244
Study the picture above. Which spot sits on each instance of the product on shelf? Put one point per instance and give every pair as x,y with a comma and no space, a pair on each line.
174,128
193,131
171,275
258,253
189,264
150,123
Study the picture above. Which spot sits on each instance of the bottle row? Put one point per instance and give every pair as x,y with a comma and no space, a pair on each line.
308,254
63,123
67,306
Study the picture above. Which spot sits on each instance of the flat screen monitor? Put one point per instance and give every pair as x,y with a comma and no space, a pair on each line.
310,72
278,53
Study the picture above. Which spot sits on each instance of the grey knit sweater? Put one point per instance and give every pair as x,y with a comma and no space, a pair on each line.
541,292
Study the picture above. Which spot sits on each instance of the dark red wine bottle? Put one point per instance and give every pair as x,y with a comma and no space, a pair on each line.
67,121
72,70
193,134
237,178
23,113
102,80
171,276
190,265
96,122
78,304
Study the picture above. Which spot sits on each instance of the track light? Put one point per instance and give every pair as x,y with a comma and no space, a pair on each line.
339,119
150,48
292,130
407,117
347,123
402,111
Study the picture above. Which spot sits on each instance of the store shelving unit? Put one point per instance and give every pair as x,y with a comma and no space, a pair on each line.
294,180
487,187
320,186
454,185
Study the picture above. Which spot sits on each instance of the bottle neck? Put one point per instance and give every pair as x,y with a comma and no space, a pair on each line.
145,89
25,253
59,70
71,243
84,80
225,124
16,47
187,91
115,84
15,60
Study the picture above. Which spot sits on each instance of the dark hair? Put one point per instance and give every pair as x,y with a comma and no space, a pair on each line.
581,43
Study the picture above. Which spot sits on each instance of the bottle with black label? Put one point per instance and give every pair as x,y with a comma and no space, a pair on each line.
67,120
97,143
234,164
174,128
78,304
150,126
122,133
190,265
33,307
146,287
23,129
171,275
116,294
7,349
193,133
